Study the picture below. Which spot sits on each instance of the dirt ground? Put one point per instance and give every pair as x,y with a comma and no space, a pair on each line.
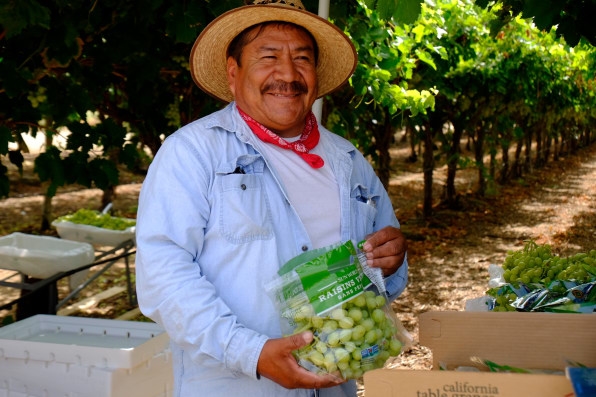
448,254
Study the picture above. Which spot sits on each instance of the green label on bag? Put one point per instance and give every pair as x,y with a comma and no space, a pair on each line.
332,278
336,288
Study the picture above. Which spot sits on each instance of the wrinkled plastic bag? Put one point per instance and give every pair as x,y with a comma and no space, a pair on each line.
328,292
560,296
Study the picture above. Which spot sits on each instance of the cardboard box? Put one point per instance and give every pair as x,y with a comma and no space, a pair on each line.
527,340
420,383
540,341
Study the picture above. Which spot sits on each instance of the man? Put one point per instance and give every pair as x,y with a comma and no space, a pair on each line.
231,197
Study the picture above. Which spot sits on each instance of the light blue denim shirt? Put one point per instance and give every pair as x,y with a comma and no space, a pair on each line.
209,237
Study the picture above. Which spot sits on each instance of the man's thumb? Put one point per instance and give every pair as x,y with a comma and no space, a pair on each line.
300,340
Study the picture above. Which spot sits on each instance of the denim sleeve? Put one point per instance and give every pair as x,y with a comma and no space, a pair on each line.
397,282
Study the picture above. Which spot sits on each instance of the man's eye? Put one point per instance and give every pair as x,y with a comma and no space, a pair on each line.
304,59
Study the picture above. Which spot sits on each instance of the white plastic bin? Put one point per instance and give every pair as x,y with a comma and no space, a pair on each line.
43,256
48,356
93,234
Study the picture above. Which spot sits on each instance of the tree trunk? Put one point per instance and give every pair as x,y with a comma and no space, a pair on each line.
538,160
528,152
452,161
383,139
492,165
428,165
517,166
548,143
109,192
504,177
586,135
46,214
411,135
107,197
479,156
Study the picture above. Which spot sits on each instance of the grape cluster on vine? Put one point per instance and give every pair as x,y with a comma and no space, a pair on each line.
38,97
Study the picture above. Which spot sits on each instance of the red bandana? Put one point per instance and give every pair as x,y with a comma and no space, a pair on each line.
308,140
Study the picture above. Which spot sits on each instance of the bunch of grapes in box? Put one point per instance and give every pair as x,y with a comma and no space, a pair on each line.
536,279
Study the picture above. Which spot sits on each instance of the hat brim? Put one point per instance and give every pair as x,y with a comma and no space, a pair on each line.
337,55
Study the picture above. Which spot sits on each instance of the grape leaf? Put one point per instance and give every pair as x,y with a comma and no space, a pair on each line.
407,11
545,13
18,15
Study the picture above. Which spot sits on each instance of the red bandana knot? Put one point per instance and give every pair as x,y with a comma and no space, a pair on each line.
307,141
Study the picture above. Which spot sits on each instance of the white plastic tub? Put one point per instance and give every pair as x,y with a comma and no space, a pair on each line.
47,355
43,256
153,378
93,234
81,340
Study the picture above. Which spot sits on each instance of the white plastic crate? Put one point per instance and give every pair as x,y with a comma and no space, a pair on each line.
152,378
10,393
43,256
83,341
93,234
47,355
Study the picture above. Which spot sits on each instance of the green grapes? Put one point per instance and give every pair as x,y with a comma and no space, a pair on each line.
537,267
173,115
38,97
106,221
349,340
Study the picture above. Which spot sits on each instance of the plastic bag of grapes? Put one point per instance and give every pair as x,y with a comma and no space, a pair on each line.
327,292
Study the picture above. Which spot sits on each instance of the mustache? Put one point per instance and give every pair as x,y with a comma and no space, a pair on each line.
296,87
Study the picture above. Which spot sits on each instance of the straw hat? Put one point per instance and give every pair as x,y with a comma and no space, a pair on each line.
337,56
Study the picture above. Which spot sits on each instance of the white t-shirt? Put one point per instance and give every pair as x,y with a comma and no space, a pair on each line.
313,192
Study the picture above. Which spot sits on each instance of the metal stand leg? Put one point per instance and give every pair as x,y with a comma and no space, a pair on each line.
108,259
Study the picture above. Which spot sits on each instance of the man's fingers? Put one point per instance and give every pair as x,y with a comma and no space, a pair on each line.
381,237
386,242
386,249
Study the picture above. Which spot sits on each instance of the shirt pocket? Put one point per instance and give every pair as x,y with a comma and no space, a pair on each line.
364,210
244,211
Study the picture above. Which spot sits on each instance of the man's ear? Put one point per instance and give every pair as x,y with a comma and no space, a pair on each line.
232,67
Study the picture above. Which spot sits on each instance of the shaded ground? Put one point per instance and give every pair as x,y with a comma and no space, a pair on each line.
449,254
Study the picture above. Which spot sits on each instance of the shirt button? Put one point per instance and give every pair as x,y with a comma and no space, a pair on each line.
243,186
304,248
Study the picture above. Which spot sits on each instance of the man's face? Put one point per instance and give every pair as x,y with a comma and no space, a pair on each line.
276,83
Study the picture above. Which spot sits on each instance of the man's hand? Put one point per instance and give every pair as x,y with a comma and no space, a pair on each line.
386,249
277,363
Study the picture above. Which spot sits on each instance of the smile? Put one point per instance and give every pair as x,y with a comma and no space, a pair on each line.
285,94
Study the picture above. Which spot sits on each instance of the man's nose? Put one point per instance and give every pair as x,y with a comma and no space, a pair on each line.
286,69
